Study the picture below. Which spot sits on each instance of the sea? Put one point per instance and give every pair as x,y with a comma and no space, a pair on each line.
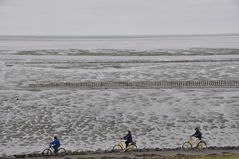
125,45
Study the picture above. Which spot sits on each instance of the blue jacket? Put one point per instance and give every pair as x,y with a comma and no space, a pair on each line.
128,137
56,142
198,135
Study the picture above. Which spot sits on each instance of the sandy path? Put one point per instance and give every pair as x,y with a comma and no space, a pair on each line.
157,154
149,153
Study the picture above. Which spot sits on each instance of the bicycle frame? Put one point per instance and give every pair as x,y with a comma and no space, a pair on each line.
122,144
193,142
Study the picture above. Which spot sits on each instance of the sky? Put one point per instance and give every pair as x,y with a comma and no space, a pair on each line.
118,17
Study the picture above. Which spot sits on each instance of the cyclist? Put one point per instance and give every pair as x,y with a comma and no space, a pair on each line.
197,134
128,138
55,143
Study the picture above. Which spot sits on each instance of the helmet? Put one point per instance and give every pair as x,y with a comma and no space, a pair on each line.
129,129
55,135
197,128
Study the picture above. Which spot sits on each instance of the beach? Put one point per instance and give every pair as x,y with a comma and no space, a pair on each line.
92,119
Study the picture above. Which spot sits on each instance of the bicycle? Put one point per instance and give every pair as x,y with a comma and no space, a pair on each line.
51,151
121,146
192,144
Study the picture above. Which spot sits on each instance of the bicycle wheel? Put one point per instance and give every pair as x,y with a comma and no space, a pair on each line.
131,148
202,145
187,146
61,152
117,148
46,153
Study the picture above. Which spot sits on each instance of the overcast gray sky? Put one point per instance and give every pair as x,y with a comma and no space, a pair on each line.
118,17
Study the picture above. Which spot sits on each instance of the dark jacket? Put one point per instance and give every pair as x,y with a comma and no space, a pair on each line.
198,134
128,137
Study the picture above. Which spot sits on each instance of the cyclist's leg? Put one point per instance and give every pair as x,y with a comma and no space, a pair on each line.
127,143
55,148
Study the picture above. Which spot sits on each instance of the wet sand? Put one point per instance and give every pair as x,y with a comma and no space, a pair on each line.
96,119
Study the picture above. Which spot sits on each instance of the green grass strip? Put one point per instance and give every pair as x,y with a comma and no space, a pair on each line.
219,157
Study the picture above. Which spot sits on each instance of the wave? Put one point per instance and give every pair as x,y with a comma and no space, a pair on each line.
119,52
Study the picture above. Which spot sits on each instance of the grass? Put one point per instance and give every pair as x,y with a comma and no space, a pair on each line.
219,157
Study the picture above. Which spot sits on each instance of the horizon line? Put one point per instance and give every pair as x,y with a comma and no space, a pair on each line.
112,36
